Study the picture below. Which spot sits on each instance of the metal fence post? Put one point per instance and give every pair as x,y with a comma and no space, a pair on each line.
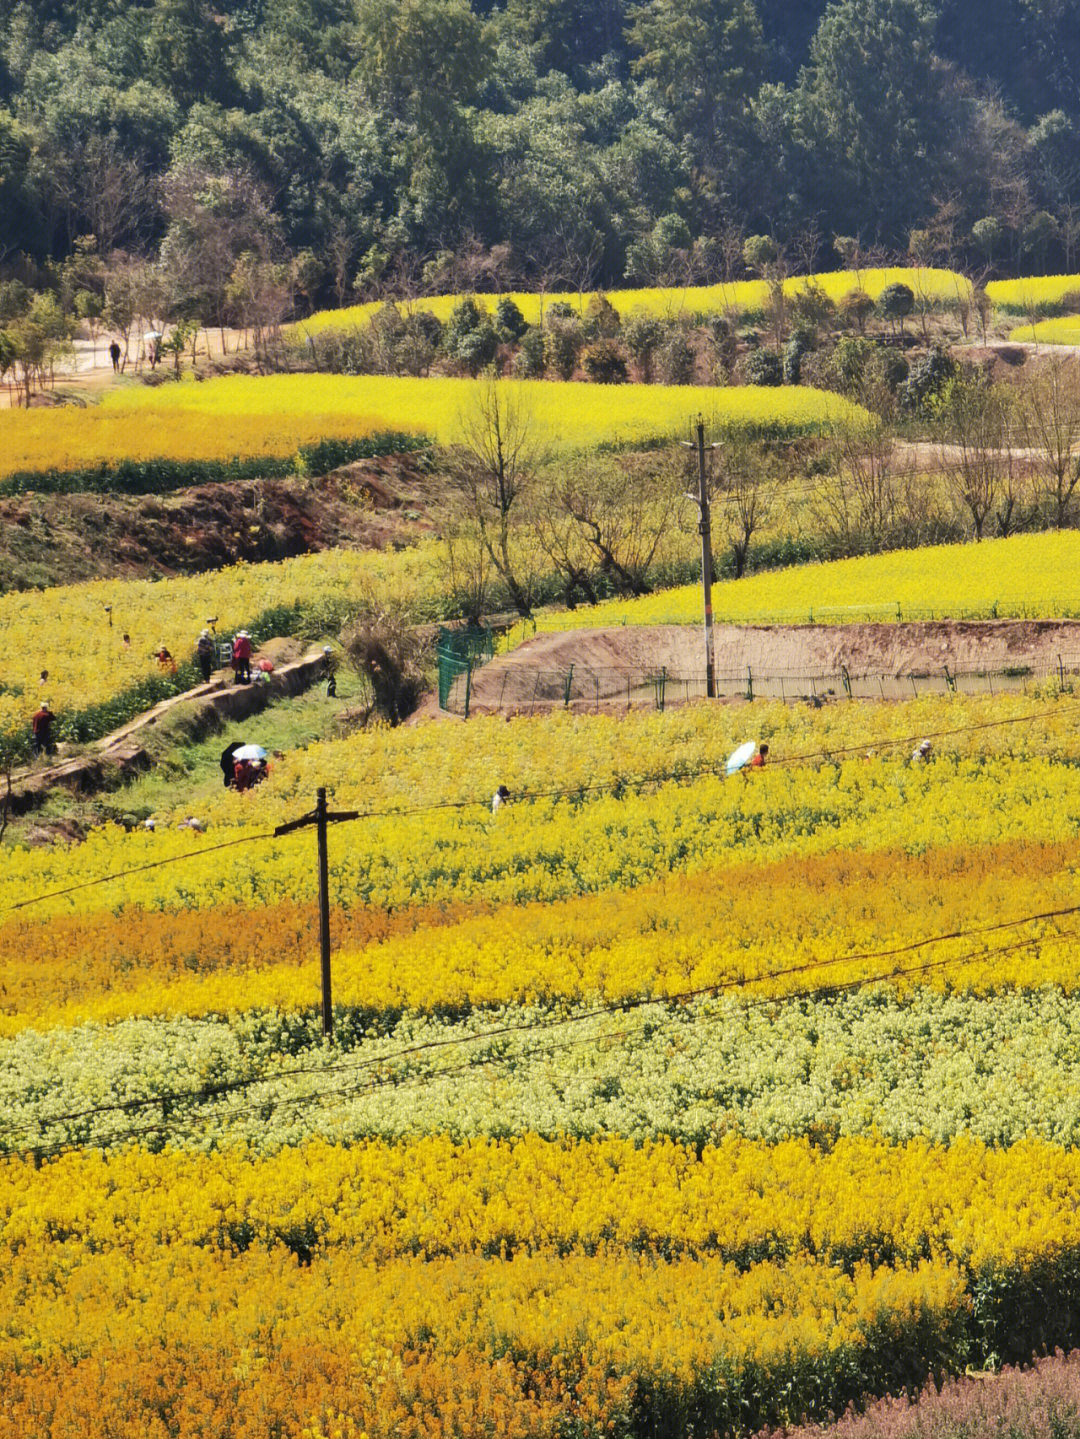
749,683
567,687
846,678
468,687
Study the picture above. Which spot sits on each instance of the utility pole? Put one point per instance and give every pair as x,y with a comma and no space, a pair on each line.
321,818
705,530
324,911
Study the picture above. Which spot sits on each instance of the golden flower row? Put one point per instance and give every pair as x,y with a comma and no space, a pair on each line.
741,1200
591,839
826,921
655,1322
84,439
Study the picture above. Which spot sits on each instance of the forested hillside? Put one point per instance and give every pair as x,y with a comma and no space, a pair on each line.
595,142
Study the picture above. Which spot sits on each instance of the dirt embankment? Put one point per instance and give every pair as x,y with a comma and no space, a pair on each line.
603,660
61,539
122,754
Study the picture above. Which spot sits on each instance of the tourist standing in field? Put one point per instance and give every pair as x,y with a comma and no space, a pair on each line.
204,653
499,798
41,740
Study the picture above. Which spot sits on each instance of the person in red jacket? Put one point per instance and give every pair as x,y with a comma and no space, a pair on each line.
41,740
758,762
241,657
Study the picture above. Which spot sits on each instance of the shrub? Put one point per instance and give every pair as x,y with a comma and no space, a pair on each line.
855,309
562,344
605,363
559,310
677,359
763,367
477,348
927,381
896,303
509,321
795,351
602,320
643,336
529,360
464,318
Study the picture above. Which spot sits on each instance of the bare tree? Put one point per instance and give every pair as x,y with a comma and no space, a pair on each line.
104,191
622,509
976,460
856,501
494,470
744,492
1050,425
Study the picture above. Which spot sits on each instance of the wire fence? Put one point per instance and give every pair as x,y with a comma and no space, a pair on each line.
521,689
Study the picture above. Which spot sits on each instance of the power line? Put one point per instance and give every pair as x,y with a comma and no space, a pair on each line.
598,1011
270,1106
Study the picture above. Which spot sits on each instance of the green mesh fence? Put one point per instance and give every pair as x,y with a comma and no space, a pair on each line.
459,651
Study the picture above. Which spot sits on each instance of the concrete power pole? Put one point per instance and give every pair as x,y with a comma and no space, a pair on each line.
705,530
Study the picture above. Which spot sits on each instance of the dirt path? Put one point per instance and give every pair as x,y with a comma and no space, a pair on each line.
123,752
612,665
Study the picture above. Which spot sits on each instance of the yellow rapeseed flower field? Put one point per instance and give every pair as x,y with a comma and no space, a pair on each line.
1025,575
571,416
740,295
1063,330
1037,294
65,440
75,633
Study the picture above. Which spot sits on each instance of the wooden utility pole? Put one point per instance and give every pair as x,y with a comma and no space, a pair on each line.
321,818
705,530
324,911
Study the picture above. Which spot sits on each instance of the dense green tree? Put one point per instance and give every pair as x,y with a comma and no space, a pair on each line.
707,57
871,114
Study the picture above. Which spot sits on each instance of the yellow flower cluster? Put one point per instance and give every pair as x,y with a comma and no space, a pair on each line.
741,1200
1030,575
938,285
990,784
573,417
83,439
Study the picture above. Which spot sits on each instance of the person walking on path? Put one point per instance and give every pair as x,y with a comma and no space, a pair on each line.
204,653
241,657
114,356
41,740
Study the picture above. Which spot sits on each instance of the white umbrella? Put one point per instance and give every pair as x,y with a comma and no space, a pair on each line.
153,335
742,757
249,751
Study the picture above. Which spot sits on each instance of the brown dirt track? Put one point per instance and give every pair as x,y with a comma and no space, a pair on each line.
808,656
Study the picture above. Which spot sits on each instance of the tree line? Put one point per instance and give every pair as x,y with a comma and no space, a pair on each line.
471,146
